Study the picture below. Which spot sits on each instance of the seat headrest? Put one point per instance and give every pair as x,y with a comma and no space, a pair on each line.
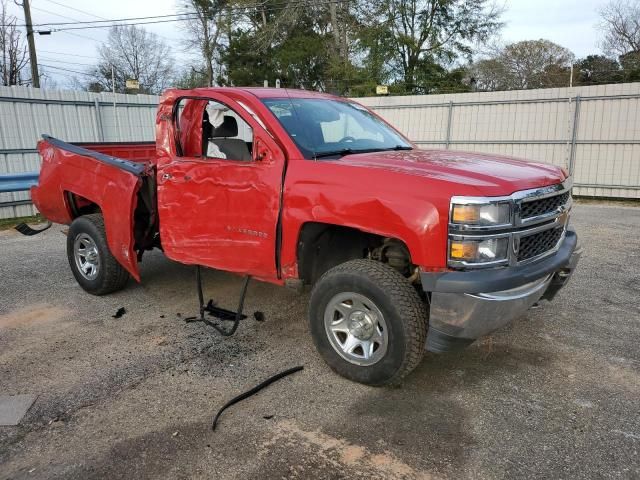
228,128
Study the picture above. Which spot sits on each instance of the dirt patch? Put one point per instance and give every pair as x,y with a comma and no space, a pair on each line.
37,314
358,457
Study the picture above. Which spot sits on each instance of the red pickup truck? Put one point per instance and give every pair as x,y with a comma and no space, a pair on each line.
407,250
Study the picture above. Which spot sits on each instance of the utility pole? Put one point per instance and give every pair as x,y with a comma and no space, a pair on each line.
571,76
115,112
35,77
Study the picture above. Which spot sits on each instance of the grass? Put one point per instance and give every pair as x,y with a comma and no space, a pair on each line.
9,223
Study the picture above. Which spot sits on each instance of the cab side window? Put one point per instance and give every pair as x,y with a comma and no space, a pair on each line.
225,134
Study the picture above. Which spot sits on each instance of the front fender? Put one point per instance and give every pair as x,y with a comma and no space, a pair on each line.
396,206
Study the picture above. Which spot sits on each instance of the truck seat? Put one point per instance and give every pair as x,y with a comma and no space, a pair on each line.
233,148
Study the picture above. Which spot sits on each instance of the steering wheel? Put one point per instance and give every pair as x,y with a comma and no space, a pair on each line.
348,138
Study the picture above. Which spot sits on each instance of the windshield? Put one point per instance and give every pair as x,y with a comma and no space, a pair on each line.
332,128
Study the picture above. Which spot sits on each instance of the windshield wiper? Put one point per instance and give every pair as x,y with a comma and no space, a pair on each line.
342,152
349,151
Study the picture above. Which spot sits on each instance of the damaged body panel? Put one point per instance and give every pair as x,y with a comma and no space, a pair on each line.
73,176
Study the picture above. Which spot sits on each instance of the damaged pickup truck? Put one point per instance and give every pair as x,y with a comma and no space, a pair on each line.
407,250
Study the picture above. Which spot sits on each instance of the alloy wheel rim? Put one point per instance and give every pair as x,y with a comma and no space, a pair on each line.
356,328
86,256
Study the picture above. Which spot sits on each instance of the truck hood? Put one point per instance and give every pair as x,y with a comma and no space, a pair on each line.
488,174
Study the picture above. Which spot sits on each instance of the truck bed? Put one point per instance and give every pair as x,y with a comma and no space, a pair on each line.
98,177
133,151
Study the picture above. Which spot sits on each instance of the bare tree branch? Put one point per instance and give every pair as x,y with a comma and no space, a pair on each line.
620,23
137,54
13,50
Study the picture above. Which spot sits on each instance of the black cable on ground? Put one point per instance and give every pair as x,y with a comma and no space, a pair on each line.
253,391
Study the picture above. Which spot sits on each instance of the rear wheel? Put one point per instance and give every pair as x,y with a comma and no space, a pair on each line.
93,266
368,322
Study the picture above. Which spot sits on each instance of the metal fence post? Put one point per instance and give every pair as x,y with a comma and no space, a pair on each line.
574,134
99,120
448,142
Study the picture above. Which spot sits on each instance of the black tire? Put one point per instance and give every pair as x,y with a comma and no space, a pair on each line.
110,276
405,318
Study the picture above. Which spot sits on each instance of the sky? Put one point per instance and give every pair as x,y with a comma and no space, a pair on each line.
570,23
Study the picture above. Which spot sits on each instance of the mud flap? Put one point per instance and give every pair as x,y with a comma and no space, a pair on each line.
25,229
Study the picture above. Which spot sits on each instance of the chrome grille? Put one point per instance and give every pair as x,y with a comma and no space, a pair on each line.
533,245
535,208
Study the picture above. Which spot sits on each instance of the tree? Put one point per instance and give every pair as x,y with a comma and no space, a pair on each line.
631,66
204,32
136,54
597,69
620,23
13,51
291,43
522,65
438,30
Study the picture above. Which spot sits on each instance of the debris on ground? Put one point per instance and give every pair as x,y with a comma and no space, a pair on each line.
14,407
253,391
119,313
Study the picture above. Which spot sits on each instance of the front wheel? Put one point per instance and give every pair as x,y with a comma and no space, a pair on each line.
93,266
368,323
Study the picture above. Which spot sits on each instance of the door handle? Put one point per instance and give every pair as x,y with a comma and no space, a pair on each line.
166,176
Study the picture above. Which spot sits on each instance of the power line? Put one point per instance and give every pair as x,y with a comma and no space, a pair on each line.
183,16
66,70
113,20
82,36
52,13
68,54
70,18
76,9
89,14
49,59
64,29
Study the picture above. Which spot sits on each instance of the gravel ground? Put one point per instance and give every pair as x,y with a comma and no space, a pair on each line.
554,395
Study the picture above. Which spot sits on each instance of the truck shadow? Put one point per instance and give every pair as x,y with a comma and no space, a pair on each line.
429,420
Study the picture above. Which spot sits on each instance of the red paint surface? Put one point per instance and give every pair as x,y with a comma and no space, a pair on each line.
111,188
135,152
216,212
224,213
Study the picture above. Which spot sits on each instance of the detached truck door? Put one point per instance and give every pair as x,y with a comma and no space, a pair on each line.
219,187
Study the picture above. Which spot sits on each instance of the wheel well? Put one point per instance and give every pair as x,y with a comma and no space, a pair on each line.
79,205
145,225
322,246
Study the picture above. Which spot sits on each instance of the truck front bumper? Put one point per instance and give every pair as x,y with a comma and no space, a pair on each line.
466,305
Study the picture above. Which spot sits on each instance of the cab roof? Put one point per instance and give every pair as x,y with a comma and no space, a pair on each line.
262,92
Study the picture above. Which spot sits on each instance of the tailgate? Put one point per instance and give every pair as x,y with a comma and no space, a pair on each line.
111,183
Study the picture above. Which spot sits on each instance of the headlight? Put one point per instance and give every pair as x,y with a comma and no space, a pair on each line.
481,215
479,251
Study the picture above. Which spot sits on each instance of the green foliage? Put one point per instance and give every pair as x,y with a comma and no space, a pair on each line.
630,62
193,77
344,46
522,65
597,69
347,47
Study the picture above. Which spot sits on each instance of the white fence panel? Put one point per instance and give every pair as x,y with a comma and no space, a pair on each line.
26,114
595,131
